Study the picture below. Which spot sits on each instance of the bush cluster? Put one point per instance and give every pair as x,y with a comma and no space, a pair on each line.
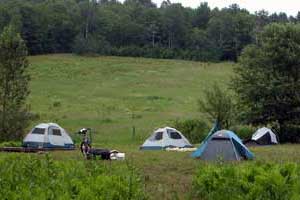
244,131
11,144
92,45
195,130
166,53
95,46
290,133
266,181
32,177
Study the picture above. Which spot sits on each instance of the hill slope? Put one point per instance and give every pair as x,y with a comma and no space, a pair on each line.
104,92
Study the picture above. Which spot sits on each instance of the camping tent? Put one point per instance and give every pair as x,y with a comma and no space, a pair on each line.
48,135
264,136
223,145
166,137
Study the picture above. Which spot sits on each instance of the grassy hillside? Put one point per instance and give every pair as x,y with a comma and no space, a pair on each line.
104,92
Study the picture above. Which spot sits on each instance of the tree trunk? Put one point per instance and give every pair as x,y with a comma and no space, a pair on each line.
4,105
281,130
153,39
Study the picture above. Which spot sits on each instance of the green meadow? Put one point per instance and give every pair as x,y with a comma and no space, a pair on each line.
113,94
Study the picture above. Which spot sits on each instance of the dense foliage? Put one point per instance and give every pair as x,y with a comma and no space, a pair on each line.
135,28
194,130
268,81
266,181
14,80
32,177
244,131
218,105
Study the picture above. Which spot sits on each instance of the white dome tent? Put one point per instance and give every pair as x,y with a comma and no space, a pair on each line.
264,136
164,138
48,135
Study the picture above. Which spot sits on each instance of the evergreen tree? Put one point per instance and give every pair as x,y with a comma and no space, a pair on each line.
202,16
14,81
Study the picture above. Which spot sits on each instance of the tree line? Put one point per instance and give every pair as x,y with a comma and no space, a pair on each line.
136,28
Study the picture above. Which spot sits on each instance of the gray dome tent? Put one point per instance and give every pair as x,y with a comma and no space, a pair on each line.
164,138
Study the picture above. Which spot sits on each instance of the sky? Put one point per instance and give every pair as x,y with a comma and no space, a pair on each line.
290,7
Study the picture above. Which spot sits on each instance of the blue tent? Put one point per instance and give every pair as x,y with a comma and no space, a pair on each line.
224,145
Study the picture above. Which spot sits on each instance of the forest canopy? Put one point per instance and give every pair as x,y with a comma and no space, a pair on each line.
136,28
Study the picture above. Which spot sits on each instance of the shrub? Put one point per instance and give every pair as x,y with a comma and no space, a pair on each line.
32,177
132,51
249,181
218,104
165,53
92,45
56,104
11,144
244,131
195,130
290,134
153,52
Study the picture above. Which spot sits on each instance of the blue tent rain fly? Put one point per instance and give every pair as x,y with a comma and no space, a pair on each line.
224,145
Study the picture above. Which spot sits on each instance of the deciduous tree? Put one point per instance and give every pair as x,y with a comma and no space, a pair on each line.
268,80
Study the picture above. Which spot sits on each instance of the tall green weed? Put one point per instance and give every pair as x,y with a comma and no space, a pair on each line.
32,177
251,181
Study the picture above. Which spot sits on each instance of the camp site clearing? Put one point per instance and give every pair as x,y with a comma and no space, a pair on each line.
114,94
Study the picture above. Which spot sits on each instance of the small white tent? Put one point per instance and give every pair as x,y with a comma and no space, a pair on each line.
48,135
264,136
164,138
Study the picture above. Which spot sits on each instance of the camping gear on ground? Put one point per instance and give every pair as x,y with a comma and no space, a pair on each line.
32,150
181,149
116,155
264,136
103,154
222,145
48,135
164,138
89,152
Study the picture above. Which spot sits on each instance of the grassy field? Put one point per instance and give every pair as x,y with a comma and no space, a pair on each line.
105,92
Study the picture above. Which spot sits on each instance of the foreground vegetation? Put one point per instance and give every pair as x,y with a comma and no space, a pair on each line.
257,180
41,177
152,174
